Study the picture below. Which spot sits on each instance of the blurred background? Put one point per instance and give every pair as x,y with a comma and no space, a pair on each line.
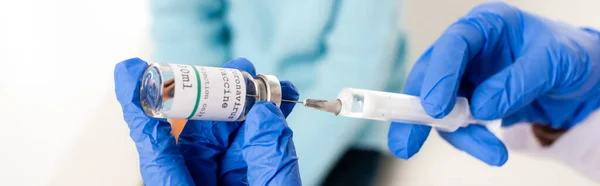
63,126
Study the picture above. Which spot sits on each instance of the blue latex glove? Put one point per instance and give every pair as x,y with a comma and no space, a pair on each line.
258,151
510,64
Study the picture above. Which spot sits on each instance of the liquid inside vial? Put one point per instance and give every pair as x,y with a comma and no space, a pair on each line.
152,92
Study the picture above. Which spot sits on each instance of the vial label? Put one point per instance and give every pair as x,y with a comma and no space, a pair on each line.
208,93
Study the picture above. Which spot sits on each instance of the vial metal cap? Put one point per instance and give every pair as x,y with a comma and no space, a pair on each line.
273,88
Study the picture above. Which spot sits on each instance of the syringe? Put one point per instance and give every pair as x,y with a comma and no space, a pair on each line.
385,106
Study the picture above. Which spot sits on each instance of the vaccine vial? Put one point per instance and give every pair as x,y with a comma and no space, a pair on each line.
192,92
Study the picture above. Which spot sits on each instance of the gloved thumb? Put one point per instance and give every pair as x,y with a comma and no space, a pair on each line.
160,160
479,142
268,147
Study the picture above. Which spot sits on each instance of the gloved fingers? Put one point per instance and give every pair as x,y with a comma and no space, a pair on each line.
479,142
289,92
268,147
477,33
241,64
405,140
202,144
233,166
561,117
160,160
530,113
449,57
212,150
509,90
414,81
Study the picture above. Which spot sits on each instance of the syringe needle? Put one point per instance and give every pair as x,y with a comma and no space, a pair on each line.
293,101
284,100
331,106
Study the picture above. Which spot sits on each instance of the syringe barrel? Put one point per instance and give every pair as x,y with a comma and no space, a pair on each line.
386,106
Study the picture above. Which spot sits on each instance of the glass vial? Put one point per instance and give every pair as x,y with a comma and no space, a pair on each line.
204,93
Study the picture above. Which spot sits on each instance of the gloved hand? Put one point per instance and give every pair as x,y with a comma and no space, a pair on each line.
258,151
510,64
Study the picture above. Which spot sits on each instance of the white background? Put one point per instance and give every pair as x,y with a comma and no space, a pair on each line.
61,124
